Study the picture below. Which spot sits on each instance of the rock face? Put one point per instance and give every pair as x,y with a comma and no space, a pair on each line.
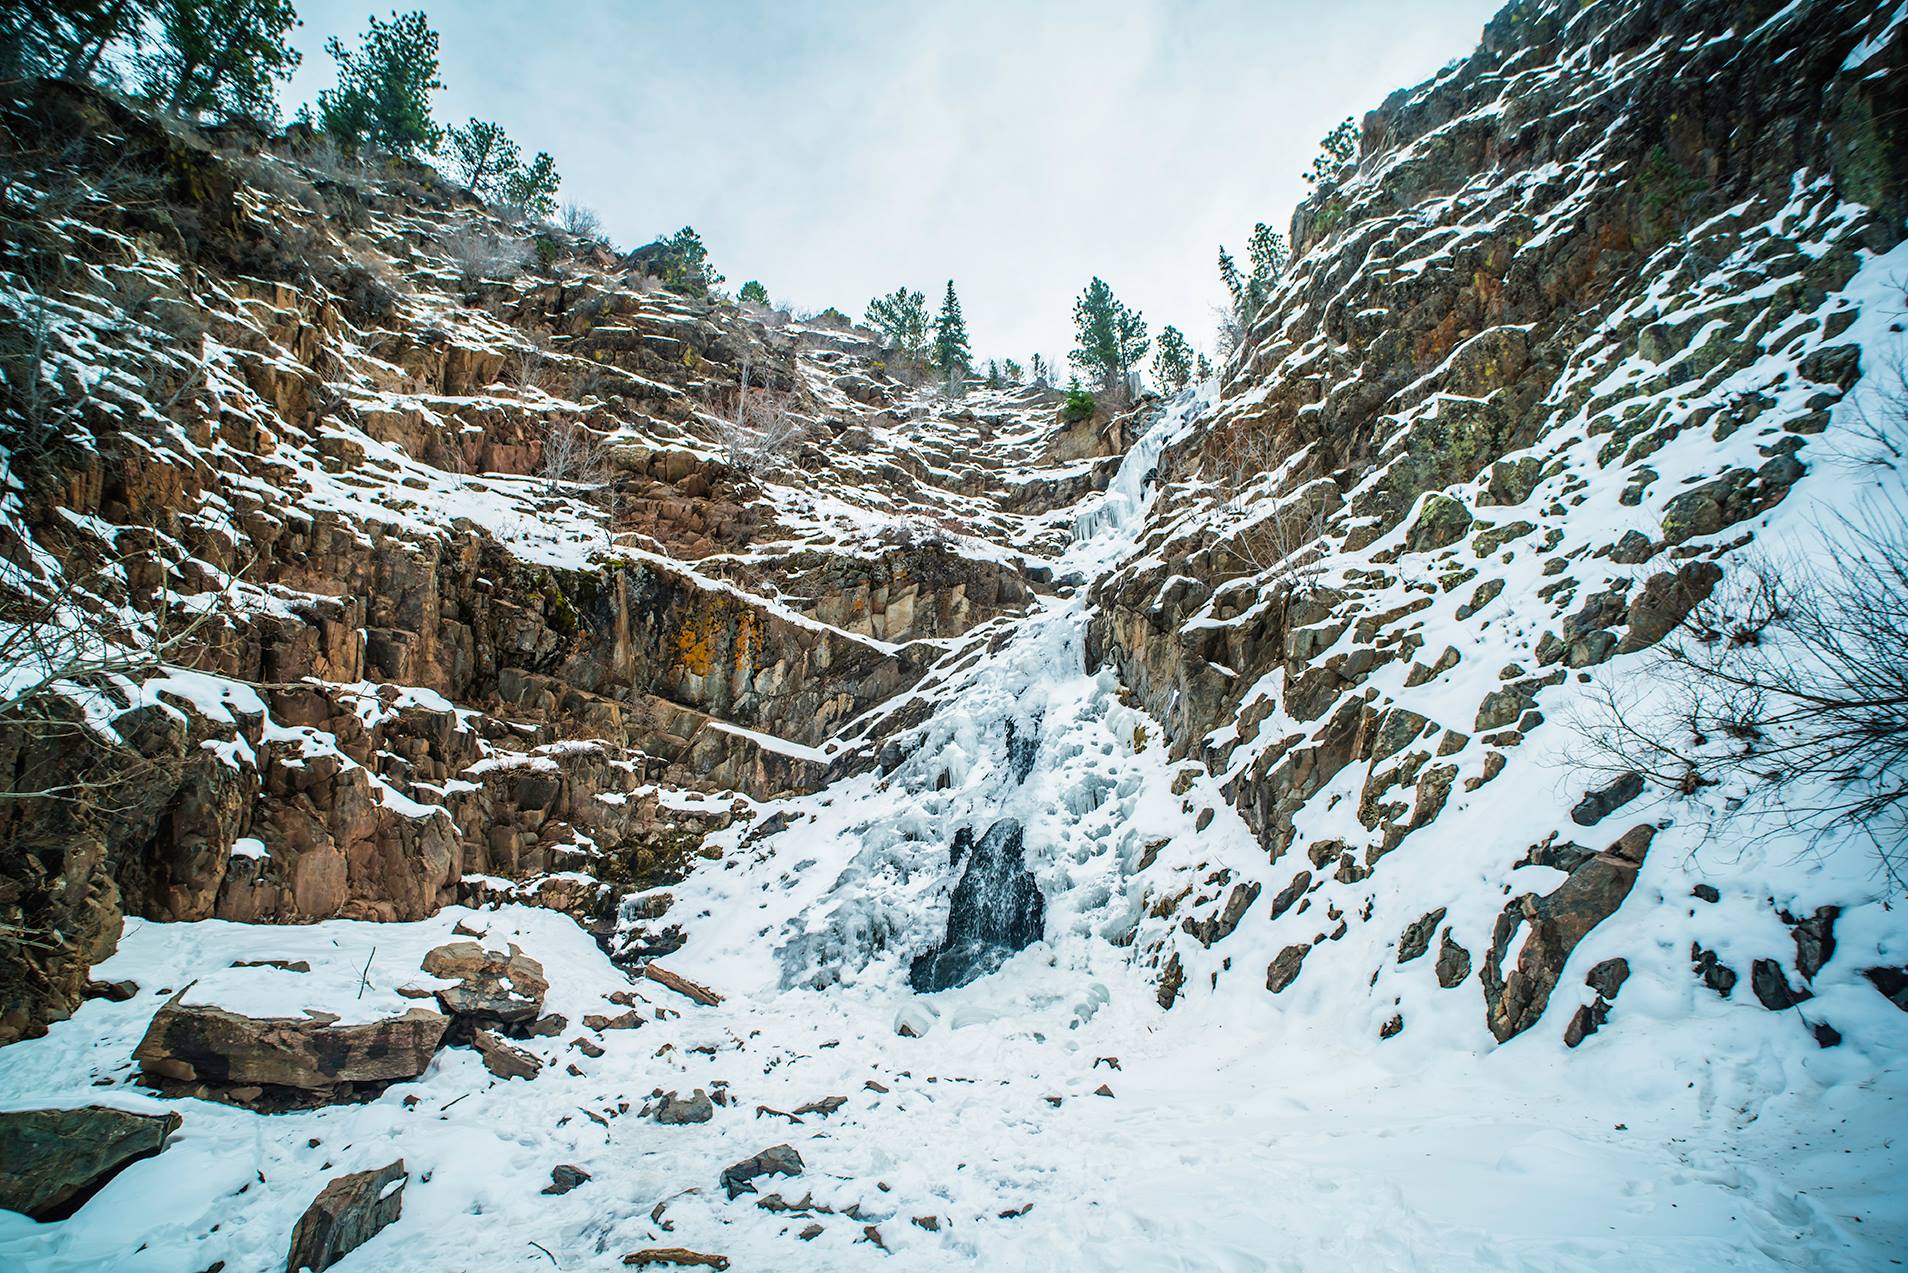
274,1063
1490,321
53,1160
345,1215
501,691
997,910
1554,923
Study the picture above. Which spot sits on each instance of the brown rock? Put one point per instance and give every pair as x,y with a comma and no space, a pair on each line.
346,1214
270,1063
504,1060
504,989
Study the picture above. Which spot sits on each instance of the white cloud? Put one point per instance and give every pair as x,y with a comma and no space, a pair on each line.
835,150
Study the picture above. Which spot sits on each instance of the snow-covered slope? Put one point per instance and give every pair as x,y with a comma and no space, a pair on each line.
1243,891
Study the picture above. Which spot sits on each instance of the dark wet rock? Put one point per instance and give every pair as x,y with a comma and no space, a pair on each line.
1393,1027
1171,978
347,1213
1454,962
1220,923
1892,982
1815,940
111,991
284,965
997,910
1604,801
565,1177
493,988
274,1063
776,1160
1772,989
1826,1035
1706,893
1284,968
53,1160
1606,979
1416,938
1291,893
1555,922
1711,971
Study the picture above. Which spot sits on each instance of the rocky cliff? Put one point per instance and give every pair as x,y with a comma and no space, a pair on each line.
1084,845
433,524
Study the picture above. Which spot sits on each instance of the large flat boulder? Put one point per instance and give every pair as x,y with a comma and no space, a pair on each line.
345,1215
277,1063
53,1160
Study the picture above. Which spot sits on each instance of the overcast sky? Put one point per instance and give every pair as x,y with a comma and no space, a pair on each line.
836,149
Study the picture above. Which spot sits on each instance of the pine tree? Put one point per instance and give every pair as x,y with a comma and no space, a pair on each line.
1042,373
1172,362
1268,254
68,38
482,157
1011,371
383,97
951,354
900,318
1112,338
532,187
1204,369
1338,149
684,263
753,293
220,56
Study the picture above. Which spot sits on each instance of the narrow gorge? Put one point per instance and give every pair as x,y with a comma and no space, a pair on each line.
1428,796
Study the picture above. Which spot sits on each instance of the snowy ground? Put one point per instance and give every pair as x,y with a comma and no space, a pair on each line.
1243,1131
1228,1143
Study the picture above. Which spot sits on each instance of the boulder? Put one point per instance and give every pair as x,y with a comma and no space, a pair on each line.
1454,962
53,1160
492,988
502,1059
1606,800
1416,938
565,1177
1284,969
674,1110
277,1063
776,1160
345,1215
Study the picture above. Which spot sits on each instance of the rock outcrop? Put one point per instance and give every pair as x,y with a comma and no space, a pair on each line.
276,1063
53,1160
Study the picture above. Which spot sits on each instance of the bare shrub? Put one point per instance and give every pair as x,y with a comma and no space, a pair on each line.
481,256
65,645
580,222
1789,682
572,453
758,430
1287,544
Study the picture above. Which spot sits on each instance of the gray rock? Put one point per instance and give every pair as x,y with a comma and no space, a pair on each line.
53,1160
346,1214
1416,938
1454,962
1772,989
1815,940
1604,801
776,1160
1284,969
1711,971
